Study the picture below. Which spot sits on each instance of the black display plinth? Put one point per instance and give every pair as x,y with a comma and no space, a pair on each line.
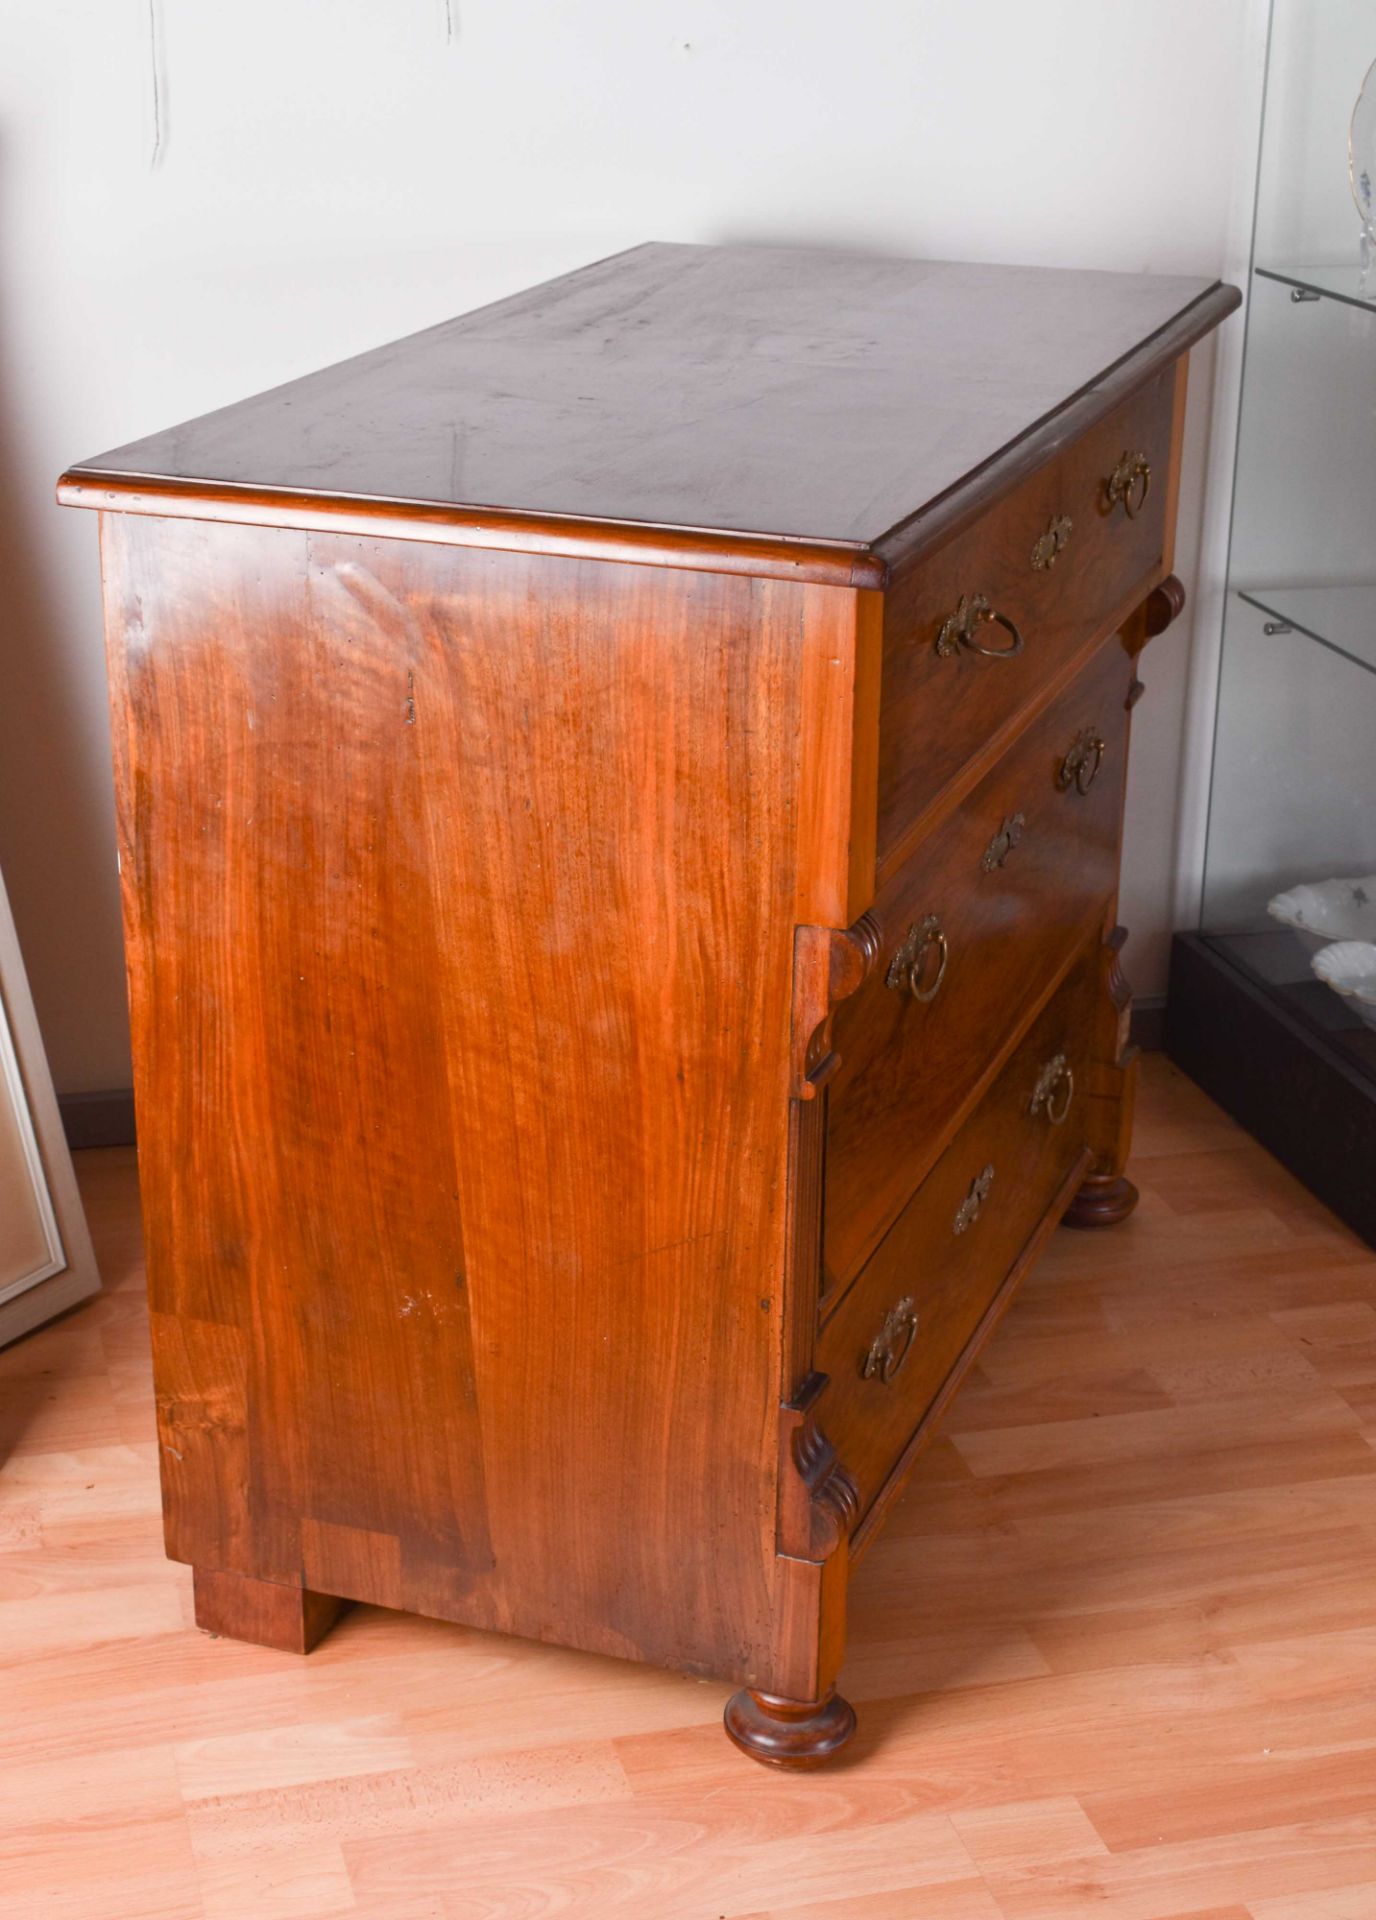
1285,1056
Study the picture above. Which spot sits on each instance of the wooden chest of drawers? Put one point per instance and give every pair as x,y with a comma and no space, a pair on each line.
619,806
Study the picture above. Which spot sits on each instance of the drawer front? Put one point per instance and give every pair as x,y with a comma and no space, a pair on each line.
941,701
975,926
900,1329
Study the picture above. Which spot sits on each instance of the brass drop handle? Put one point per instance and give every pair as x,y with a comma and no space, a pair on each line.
909,967
890,1347
958,629
1083,759
969,1209
1129,484
1047,1096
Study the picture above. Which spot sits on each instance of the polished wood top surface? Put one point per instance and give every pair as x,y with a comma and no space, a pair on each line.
788,394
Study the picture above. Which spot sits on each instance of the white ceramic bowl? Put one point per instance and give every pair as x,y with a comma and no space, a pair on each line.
1328,910
1349,967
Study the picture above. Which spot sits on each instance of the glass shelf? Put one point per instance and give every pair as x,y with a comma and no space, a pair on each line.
1328,283
1342,619
1292,795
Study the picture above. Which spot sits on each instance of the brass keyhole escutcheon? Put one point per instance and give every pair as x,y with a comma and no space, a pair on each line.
1083,759
889,1350
1128,485
1003,842
1049,546
969,1209
911,970
961,629
1054,1091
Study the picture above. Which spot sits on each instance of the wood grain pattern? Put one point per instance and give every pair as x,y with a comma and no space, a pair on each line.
1148,1530
408,1351
908,1070
823,563
1108,566
947,1254
516,1069
761,390
291,1619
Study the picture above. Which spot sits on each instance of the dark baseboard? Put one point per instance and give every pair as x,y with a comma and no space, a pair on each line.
1288,1085
98,1119
1149,1022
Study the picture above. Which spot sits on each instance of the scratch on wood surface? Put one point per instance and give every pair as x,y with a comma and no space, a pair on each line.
156,60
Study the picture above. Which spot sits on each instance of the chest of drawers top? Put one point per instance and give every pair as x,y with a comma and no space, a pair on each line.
804,413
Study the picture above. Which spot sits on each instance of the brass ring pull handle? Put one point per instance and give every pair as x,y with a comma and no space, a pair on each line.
1128,485
1083,759
889,1350
908,967
958,629
1056,1074
1048,547
969,1209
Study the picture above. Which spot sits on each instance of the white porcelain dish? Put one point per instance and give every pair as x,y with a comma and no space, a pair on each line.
1328,910
1349,967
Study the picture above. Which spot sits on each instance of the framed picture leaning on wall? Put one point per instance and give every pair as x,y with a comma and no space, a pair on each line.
46,1262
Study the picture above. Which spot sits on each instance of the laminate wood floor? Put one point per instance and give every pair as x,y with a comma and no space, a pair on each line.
1114,1655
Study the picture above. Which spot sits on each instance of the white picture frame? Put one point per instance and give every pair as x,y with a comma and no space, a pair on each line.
63,1270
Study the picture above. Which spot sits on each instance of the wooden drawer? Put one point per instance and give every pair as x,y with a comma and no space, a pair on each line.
896,1335
1011,884
940,702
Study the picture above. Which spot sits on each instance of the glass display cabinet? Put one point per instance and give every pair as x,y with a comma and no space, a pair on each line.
1272,1004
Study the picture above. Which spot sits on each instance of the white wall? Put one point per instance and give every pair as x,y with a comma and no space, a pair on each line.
1320,50
335,172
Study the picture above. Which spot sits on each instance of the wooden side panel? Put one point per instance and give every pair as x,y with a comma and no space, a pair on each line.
202,1408
460,891
839,796
300,1182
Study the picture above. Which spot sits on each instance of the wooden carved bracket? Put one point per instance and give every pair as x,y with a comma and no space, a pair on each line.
1161,606
1118,992
1108,1082
827,968
1107,1195
820,1503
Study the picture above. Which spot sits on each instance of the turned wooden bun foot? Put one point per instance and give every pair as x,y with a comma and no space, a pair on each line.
788,1733
1101,1202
